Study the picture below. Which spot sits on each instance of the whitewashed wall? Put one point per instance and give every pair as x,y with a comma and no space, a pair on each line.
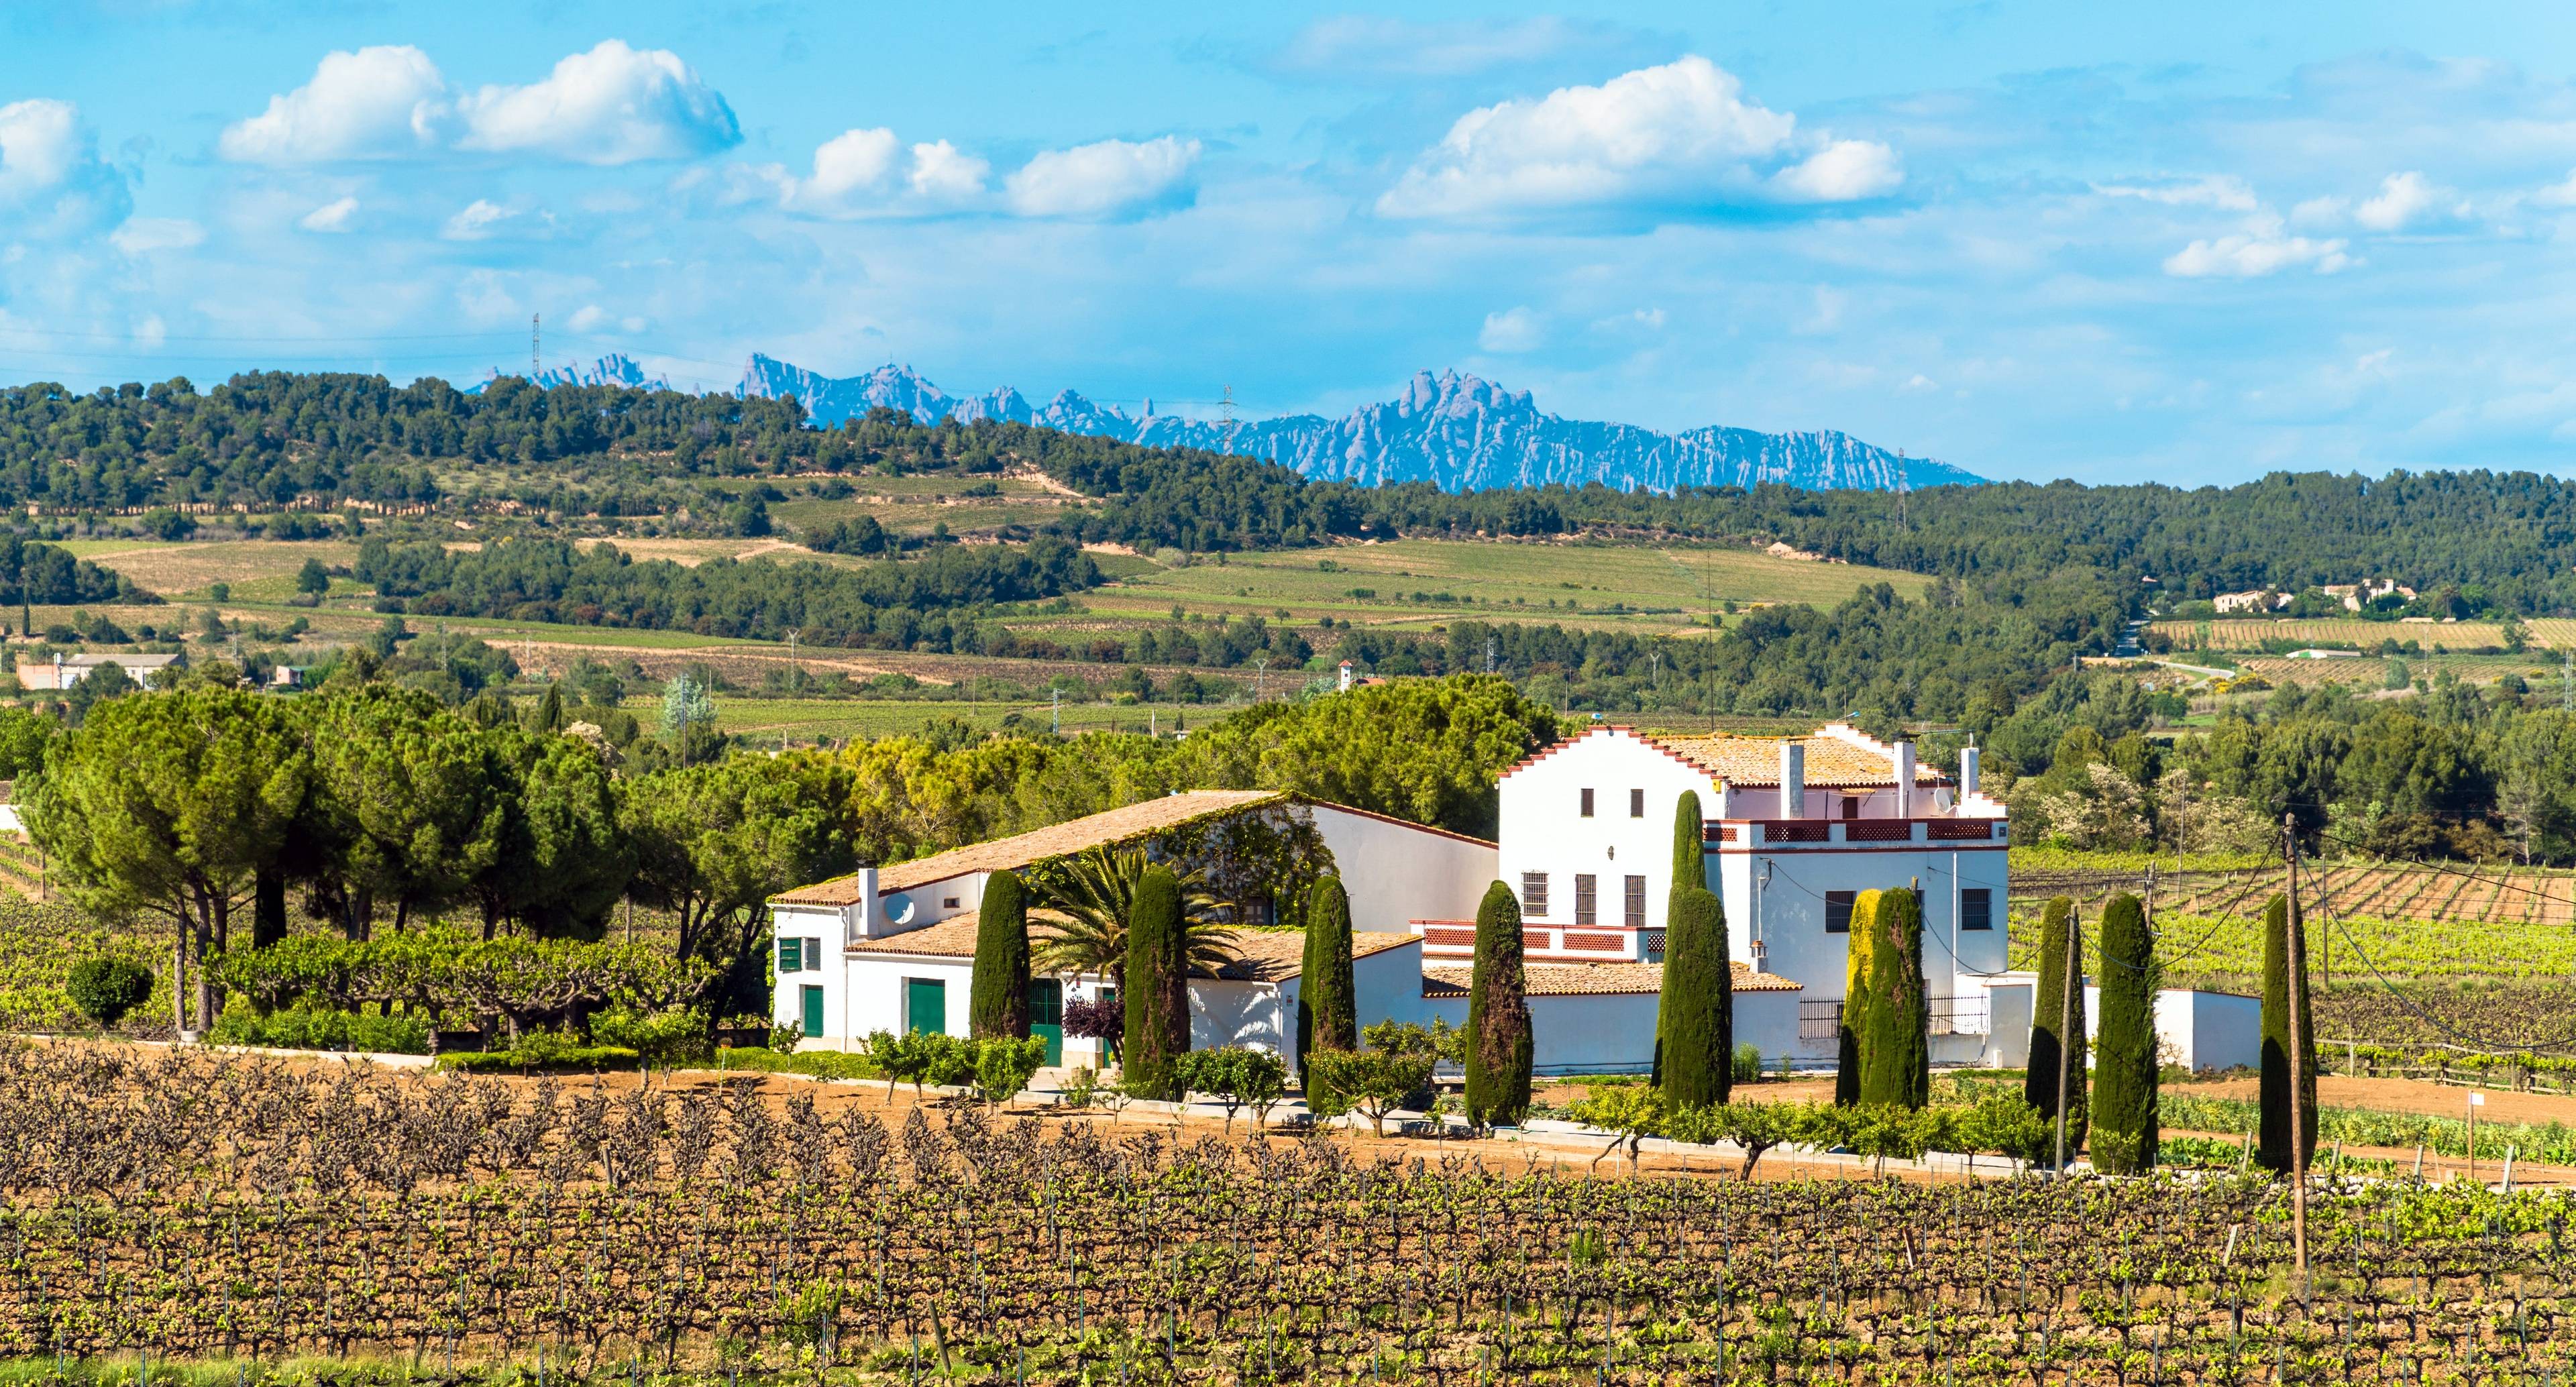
1543,829
1397,873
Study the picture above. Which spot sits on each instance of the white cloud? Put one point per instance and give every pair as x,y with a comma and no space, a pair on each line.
1634,321
374,103
1843,171
1102,179
144,235
1512,330
330,216
2260,250
51,178
863,172
611,105
2403,199
1343,47
1682,132
476,222
2561,194
2223,191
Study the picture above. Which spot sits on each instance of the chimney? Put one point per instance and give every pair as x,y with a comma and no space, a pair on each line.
1904,780
1967,771
1793,780
869,920
1346,676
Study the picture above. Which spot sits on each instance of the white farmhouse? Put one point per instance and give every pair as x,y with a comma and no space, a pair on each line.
1795,828
893,949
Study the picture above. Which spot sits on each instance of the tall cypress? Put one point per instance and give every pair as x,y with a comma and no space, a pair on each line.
1689,871
2049,1014
2124,1080
1158,983
1895,1033
999,1005
1697,1013
1498,1019
1859,976
1327,1018
2275,1105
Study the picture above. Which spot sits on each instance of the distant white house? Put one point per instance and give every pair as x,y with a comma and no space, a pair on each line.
63,671
2358,595
2256,600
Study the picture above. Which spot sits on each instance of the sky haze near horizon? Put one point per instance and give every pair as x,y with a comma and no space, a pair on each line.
2034,241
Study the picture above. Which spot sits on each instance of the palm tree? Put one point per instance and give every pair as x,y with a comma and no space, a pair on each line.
1089,894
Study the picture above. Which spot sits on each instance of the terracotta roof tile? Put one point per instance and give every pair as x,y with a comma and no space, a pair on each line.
1266,955
1140,820
1831,761
1592,980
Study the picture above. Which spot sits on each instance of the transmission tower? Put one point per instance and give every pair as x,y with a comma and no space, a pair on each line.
1900,490
1226,405
534,321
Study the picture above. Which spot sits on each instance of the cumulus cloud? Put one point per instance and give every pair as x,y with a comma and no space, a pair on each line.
867,172
375,103
1345,47
1512,330
2403,200
2560,194
1680,133
330,216
51,178
1103,179
611,105
477,221
2259,250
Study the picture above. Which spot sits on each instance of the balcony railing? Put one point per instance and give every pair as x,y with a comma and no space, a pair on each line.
1778,832
1961,1015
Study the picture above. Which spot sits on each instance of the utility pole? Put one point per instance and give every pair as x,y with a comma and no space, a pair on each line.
1055,712
534,320
1900,491
1227,405
1260,670
1489,652
2298,1055
2066,1028
795,671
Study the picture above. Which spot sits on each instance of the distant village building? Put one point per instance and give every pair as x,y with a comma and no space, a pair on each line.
2359,595
2257,600
62,671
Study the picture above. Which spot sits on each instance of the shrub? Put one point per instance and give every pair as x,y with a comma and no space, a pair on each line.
2055,1010
999,1002
817,1064
1005,1064
1629,1112
1695,1014
1748,1061
105,989
552,1057
1895,1043
1235,1076
672,1037
1326,1018
1374,1082
303,1028
1158,1006
1079,1086
2275,1095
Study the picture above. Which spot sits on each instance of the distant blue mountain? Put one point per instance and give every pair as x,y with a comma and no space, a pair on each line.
1459,432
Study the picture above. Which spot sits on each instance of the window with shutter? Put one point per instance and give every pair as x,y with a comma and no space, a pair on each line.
1636,903
789,955
1636,804
1584,901
1533,895
1587,804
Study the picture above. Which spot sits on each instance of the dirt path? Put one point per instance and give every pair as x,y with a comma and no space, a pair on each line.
2408,1096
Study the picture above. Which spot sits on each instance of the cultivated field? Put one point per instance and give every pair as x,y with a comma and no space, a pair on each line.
2249,633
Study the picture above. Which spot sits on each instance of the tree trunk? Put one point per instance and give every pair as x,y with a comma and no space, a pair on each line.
268,910
179,977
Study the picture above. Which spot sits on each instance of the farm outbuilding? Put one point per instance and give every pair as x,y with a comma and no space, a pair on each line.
1599,1018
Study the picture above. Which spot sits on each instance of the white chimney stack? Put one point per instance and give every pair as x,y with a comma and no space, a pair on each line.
868,921
1904,780
1967,771
1793,780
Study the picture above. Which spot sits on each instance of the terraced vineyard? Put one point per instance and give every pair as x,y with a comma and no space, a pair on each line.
2249,633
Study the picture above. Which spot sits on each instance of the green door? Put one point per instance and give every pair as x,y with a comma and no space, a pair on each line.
813,1000
925,1006
1046,1015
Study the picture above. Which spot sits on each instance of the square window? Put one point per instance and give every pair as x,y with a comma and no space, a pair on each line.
1635,903
1585,901
790,955
1977,908
1838,909
948,903
1533,895
1636,804
1587,804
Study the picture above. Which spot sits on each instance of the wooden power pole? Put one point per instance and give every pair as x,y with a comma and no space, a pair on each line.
2066,1027
2298,986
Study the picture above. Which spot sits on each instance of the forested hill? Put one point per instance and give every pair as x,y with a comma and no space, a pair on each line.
275,439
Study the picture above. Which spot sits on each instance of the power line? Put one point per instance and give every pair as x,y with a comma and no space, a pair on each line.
48,334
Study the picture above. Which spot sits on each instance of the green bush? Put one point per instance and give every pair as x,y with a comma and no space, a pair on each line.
1748,1062
318,1028
553,1057
660,1038
105,989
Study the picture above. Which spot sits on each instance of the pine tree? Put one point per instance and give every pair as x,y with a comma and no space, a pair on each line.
1158,981
1894,1037
1697,1012
1327,1018
1498,1019
2124,1087
1858,976
2274,1149
1689,870
2049,1013
999,1007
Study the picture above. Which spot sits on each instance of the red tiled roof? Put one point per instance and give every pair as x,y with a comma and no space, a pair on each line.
1592,980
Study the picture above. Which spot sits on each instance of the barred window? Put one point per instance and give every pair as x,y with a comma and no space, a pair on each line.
1977,908
1838,909
1636,903
1533,895
1585,901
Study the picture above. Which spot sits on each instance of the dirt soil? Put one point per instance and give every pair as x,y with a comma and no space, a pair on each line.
2409,1096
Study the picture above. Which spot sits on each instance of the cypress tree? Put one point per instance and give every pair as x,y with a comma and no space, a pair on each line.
999,1005
1327,1018
2048,1014
1158,982
2274,1150
1858,978
1697,1012
1894,1037
2124,1089
1498,1019
1689,870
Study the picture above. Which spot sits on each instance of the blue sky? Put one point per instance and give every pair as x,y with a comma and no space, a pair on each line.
2036,240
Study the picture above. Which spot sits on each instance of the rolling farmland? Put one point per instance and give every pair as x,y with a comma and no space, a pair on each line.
2249,633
